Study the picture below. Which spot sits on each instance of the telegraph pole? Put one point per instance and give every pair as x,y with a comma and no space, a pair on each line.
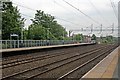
112,28
22,31
48,30
22,25
91,28
100,29
64,33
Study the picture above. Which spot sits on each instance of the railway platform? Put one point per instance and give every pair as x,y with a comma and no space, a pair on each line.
107,68
27,50
42,47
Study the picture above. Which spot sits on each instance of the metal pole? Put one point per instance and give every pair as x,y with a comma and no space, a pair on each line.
73,37
113,28
100,29
48,33
10,41
91,28
112,32
22,31
63,35
119,24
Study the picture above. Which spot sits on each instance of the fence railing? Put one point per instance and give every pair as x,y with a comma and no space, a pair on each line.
33,43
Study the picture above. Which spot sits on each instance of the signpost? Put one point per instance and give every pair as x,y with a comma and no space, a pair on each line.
14,35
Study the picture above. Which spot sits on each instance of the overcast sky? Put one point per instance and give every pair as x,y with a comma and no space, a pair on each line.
99,10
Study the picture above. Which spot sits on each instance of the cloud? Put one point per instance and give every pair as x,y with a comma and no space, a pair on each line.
99,10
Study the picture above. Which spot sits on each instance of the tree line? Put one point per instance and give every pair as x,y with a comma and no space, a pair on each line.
44,26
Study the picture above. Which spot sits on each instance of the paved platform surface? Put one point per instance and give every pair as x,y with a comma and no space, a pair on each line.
107,68
41,47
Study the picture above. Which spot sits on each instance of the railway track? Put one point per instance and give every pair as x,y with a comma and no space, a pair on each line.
28,60
10,63
51,72
63,62
25,57
71,74
28,56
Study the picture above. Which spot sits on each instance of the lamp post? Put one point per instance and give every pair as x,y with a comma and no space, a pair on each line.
64,33
48,33
22,31
22,25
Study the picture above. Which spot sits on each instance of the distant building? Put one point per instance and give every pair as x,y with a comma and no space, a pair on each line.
87,38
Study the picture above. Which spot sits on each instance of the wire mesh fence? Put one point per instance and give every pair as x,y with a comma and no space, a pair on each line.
6,44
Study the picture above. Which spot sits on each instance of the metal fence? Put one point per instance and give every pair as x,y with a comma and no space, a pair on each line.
33,43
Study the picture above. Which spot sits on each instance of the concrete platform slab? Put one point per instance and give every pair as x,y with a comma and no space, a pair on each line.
105,68
41,47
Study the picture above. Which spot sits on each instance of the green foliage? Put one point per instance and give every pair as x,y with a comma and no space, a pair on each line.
43,19
78,37
11,21
56,31
37,32
93,37
108,39
25,33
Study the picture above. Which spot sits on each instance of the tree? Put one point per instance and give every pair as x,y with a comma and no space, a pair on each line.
48,22
11,21
78,37
93,37
58,31
43,19
109,39
25,33
37,32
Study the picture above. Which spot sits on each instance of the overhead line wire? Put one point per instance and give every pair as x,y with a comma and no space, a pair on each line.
26,15
97,10
82,12
66,9
35,10
68,21
112,5
24,6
